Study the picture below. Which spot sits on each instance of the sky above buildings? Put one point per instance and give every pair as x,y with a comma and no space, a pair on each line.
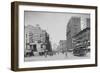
54,23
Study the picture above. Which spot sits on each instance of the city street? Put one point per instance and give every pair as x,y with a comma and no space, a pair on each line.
59,56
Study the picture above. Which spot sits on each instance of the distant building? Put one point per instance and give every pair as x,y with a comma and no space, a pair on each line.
75,26
62,46
36,39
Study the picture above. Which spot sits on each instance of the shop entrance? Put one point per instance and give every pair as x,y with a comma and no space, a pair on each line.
33,47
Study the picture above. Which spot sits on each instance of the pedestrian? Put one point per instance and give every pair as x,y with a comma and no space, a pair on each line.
66,53
45,50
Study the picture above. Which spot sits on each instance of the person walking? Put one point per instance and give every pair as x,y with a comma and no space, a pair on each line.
45,50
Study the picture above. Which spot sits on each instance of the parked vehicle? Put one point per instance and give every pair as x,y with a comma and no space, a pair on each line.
28,52
50,53
88,49
79,51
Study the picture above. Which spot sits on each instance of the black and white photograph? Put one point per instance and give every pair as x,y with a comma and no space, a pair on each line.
56,36
53,36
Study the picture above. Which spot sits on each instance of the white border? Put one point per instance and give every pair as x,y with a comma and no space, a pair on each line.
33,64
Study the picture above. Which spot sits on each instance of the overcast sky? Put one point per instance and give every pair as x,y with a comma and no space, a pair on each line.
54,23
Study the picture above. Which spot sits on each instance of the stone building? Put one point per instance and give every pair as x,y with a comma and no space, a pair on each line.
77,26
73,27
83,37
35,39
62,46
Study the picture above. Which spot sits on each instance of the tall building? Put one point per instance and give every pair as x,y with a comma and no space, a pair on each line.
73,27
36,39
76,25
83,37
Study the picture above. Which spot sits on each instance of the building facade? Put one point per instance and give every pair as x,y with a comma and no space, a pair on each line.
73,27
83,37
62,46
79,26
36,39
